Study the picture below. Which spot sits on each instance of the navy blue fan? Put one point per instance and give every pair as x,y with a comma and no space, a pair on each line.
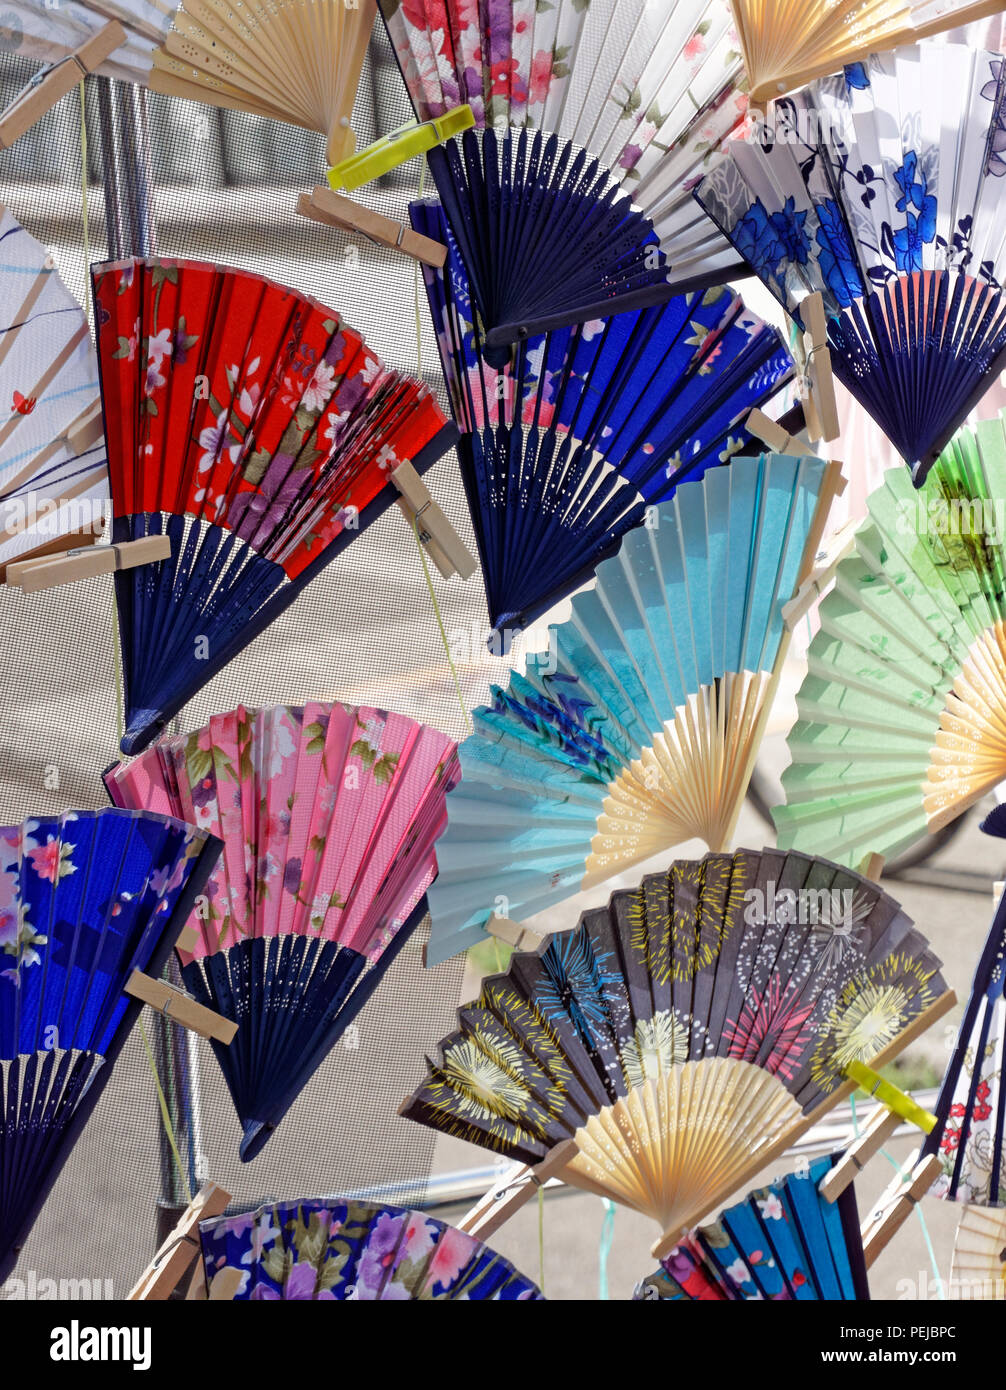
86,898
567,441
995,822
885,191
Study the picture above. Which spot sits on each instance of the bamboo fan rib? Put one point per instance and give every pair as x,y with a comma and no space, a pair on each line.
787,43
978,1270
256,430
53,476
971,1108
884,188
684,1035
640,729
336,809
296,61
593,122
86,898
568,438
47,32
784,1242
902,716
333,1248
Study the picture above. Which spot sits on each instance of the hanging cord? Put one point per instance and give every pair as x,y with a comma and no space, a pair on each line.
415,519
541,1238
169,1128
604,1248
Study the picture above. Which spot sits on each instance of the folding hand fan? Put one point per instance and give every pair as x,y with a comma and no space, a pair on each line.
328,817
884,189
783,1242
570,198
568,438
258,432
786,43
979,1266
971,1109
53,478
641,735
686,1034
48,32
85,898
903,709
346,1249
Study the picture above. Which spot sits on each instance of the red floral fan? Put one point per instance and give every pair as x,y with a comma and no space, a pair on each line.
257,431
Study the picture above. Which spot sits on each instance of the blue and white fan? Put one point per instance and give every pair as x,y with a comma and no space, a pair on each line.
641,731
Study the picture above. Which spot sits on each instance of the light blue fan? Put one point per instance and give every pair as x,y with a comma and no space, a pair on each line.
639,733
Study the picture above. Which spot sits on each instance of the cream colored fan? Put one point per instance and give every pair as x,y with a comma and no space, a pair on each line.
294,60
979,1264
678,1040
787,43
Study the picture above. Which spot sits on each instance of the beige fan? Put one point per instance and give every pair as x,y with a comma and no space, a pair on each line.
787,43
296,61
979,1265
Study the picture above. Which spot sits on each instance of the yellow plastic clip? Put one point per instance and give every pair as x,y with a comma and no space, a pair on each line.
888,1094
397,148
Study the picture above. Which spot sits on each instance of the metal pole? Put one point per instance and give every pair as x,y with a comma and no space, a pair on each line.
129,215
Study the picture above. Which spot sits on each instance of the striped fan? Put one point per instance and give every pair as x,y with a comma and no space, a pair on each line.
52,458
46,31
971,1109
903,710
258,432
642,733
979,1266
568,438
593,121
686,1034
85,898
783,1242
884,189
338,810
786,43
337,1248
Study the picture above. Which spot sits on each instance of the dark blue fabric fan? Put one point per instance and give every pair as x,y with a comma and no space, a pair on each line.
86,898
995,823
971,1109
567,443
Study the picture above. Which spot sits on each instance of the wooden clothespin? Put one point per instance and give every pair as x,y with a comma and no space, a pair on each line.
52,83
181,1008
86,431
45,571
775,435
187,940
171,1263
872,867
827,562
513,934
336,210
897,1204
820,406
896,1109
514,1190
446,548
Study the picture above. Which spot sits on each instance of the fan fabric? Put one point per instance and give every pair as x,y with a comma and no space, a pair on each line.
256,430
593,121
345,1249
328,816
783,1243
971,1109
684,1035
787,42
979,1264
86,898
569,437
902,713
48,383
639,730
885,189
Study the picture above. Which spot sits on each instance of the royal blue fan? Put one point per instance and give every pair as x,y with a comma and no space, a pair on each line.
567,443
782,1242
971,1109
86,898
884,188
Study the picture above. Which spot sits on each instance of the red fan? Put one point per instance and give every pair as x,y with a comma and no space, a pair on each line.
259,433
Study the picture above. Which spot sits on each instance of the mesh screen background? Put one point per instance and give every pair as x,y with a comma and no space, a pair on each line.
225,189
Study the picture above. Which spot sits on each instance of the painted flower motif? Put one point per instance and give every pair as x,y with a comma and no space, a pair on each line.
695,47
771,1208
291,876
919,207
214,440
160,345
982,1109
835,254
738,1272
319,389
856,77
992,91
541,75
52,861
